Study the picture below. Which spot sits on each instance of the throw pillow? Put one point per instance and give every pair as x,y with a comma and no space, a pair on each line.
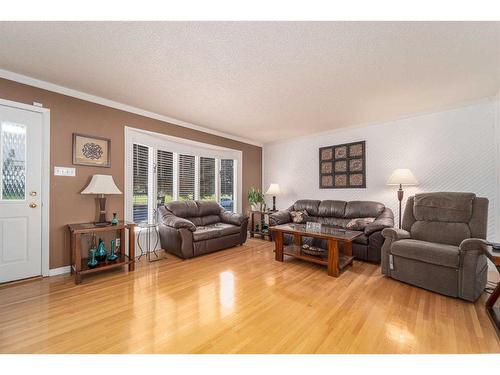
359,223
299,217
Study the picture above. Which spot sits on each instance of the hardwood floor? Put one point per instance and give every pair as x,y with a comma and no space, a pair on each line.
238,301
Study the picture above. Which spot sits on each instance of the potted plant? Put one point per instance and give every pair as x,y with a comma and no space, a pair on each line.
255,198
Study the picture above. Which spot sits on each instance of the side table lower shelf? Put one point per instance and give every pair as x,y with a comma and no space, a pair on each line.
121,261
79,261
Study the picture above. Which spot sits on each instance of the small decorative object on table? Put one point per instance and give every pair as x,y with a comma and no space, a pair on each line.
312,250
92,260
112,256
101,251
495,247
313,227
114,220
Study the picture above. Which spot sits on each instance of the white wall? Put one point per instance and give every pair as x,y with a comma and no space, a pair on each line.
454,150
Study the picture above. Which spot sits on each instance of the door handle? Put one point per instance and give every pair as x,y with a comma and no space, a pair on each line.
33,193
33,205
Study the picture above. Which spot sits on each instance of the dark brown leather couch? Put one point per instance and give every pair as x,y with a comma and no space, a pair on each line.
339,214
191,228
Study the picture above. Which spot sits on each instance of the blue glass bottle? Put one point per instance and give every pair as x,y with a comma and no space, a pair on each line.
92,262
114,221
101,251
112,256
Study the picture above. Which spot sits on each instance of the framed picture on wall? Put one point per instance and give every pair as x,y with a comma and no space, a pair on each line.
91,150
343,166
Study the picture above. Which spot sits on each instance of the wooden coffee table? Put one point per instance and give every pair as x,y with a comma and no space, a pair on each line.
332,259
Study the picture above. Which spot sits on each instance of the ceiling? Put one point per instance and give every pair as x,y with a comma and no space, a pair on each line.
264,81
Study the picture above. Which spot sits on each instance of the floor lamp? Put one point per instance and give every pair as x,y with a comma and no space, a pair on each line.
401,177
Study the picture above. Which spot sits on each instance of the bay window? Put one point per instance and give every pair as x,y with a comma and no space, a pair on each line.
163,171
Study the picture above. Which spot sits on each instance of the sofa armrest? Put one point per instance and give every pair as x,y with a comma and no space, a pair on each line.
178,222
378,225
395,234
280,217
233,218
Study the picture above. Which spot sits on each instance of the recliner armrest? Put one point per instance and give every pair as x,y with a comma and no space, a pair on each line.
395,234
233,218
178,222
474,244
280,217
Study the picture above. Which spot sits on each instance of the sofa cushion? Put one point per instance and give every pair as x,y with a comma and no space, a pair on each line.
428,252
331,209
299,217
360,223
311,206
183,209
206,208
214,231
357,209
333,221
445,206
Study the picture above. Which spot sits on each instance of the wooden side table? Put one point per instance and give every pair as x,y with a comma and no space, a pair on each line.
79,265
262,214
494,312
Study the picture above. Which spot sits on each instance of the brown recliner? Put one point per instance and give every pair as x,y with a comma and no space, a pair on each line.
441,246
191,228
339,214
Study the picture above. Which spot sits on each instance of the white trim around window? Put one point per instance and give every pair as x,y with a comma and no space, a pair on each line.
177,146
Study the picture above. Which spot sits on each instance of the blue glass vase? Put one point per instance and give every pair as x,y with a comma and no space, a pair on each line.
101,251
92,262
114,221
112,256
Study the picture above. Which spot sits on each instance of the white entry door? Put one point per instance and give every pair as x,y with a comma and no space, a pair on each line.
20,189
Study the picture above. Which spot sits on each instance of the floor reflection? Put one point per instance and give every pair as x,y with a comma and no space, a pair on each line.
226,291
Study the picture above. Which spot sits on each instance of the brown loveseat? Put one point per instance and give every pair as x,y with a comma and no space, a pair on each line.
192,228
441,246
340,213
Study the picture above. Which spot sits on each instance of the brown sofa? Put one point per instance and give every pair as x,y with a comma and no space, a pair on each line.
340,213
441,246
191,228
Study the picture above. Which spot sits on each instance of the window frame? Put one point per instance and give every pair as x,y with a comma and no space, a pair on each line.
157,141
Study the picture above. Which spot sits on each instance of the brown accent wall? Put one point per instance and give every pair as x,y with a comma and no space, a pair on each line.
69,115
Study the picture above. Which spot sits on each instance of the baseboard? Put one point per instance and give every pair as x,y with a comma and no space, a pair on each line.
59,271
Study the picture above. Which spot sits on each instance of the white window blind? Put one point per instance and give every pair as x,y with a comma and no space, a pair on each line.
140,183
164,177
227,184
186,177
207,179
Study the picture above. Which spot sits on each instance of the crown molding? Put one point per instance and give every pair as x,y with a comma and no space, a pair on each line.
20,78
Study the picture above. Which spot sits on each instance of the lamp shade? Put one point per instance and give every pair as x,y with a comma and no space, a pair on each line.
402,176
101,184
274,189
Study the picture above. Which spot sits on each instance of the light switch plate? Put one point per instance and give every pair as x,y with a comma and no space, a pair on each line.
64,171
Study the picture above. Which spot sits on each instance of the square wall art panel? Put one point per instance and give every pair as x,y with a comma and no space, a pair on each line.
342,166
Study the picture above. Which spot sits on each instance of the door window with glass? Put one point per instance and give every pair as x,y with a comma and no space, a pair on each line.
168,176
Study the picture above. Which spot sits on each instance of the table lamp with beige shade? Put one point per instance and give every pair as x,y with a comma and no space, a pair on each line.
101,185
274,190
401,176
